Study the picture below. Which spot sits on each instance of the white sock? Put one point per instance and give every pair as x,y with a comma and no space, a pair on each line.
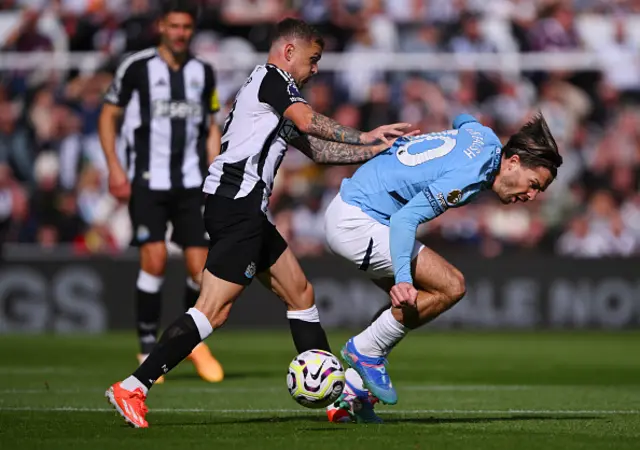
306,315
193,285
149,283
203,324
381,336
132,383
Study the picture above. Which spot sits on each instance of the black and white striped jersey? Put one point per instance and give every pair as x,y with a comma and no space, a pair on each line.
166,121
255,136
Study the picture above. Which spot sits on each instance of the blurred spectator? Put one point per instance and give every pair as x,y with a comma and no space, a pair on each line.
621,62
556,29
52,171
16,148
25,38
471,39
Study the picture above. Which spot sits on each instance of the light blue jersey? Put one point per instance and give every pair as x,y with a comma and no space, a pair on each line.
420,177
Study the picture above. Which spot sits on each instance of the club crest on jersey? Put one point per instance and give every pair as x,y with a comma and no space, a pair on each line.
454,197
251,270
143,233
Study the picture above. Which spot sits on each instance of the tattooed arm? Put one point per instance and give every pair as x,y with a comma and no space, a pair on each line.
328,152
324,127
314,124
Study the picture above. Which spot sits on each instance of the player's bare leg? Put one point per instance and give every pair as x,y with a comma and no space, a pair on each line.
287,280
206,365
153,262
177,342
440,285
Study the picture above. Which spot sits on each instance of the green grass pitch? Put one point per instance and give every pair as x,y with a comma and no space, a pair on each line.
547,390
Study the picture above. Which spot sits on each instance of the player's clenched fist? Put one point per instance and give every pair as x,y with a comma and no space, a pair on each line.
385,132
403,294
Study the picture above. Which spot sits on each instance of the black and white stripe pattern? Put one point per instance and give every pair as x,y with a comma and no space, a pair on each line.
166,119
254,137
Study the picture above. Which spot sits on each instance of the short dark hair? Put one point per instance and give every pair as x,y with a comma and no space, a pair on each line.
179,6
535,146
296,28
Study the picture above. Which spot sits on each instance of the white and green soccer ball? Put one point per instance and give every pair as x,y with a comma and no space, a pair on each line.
315,378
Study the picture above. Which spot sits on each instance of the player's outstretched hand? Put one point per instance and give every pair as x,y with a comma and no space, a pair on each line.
403,294
119,185
386,133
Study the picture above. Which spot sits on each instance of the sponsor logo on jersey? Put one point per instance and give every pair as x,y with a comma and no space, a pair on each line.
176,109
294,93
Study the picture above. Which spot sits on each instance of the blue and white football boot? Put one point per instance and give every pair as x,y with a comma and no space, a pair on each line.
373,371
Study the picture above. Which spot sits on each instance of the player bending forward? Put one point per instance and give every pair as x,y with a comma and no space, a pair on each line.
372,223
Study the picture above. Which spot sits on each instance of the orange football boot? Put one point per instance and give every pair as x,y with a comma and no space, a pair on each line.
206,365
130,405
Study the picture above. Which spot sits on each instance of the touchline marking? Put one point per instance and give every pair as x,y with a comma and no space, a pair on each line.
214,390
320,412
40,370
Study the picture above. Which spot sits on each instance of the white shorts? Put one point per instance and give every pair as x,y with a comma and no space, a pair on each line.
360,239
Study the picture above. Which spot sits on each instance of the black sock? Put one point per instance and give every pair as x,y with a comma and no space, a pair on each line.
190,297
308,336
148,314
176,343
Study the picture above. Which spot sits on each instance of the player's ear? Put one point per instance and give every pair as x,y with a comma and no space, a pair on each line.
514,161
288,51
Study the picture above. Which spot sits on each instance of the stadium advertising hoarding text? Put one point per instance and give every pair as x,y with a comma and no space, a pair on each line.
95,294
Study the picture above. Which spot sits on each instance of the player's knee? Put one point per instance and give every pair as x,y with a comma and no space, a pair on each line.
154,267
153,260
457,287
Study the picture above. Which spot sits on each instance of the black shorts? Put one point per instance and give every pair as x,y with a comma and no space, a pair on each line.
242,240
151,210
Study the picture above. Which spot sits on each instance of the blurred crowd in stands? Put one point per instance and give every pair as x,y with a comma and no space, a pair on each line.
52,173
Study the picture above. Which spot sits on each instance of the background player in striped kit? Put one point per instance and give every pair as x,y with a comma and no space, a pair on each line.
168,98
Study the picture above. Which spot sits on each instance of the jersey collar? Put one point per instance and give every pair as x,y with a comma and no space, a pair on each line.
189,57
495,165
282,71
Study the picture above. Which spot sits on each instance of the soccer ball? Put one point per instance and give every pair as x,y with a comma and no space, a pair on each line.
315,379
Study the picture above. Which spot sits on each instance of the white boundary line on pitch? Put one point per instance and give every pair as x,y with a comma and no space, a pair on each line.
239,390
40,370
307,411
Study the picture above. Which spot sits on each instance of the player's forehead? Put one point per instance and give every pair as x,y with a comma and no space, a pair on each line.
310,47
540,174
178,18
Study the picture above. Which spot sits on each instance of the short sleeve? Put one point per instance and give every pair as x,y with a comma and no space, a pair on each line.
122,86
463,119
279,91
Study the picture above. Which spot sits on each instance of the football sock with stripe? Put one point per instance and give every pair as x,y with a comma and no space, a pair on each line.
176,343
148,307
306,330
